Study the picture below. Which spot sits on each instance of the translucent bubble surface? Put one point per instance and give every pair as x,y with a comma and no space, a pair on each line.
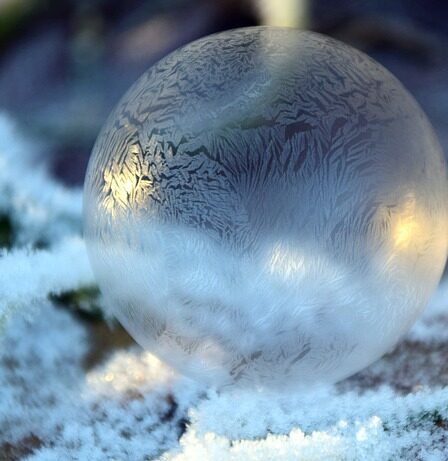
267,207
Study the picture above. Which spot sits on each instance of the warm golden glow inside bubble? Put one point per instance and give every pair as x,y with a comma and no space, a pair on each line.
117,187
406,231
408,226
126,185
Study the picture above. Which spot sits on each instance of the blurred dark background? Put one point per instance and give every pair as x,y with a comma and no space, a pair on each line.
65,63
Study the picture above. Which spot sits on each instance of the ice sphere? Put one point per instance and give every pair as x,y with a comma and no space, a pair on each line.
267,207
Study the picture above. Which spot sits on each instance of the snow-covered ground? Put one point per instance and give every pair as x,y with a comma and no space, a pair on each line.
57,403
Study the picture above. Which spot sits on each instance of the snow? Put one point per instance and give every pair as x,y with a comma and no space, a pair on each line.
131,406
41,209
30,276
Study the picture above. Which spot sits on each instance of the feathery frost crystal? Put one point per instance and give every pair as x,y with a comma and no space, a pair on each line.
267,207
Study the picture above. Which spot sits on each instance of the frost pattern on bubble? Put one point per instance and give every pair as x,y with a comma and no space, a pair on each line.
267,207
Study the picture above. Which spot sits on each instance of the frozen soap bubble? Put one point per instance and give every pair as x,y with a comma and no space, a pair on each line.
267,207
